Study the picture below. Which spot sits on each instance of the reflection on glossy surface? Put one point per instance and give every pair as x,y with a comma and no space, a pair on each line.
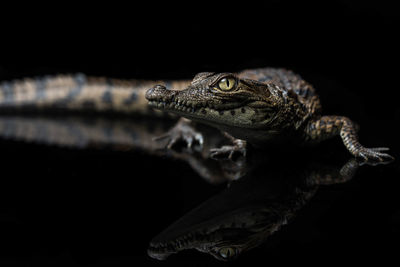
266,190
82,131
124,134
252,208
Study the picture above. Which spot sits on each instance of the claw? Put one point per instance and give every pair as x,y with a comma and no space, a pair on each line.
375,154
182,134
161,137
230,152
199,138
189,141
378,149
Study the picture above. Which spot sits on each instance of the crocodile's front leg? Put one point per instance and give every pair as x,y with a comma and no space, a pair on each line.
182,134
237,149
329,126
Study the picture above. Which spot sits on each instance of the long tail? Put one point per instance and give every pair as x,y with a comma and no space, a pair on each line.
78,93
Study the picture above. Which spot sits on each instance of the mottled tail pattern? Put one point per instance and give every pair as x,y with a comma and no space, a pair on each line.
75,93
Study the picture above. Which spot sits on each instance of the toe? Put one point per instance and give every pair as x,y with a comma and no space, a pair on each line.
378,149
374,154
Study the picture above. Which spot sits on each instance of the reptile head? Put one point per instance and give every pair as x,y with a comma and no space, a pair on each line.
220,99
224,237
237,219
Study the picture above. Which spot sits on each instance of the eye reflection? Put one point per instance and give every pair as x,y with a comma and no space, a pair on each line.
227,252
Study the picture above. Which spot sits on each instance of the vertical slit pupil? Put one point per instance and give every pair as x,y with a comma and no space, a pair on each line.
228,253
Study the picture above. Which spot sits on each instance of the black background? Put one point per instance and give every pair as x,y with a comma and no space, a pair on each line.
93,207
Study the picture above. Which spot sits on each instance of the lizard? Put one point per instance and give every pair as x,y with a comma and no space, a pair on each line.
258,107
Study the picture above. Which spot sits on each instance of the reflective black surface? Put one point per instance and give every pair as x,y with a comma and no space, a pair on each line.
99,206
254,207
87,207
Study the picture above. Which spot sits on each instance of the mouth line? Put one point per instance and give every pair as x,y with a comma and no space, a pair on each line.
175,106
164,249
187,241
188,106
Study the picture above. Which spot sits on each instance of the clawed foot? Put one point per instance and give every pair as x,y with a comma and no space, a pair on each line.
182,135
371,155
237,150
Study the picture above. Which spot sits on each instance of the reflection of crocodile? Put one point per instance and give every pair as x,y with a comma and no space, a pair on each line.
247,213
123,134
82,132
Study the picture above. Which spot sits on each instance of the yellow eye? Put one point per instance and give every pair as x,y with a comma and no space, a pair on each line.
227,252
226,84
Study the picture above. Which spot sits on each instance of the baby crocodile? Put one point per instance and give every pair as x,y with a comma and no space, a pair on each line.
255,107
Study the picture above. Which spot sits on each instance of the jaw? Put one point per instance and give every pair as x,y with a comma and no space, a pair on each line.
240,239
161,250
222,115
237,229
205,243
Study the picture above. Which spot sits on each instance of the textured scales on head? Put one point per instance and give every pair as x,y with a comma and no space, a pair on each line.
221,99
224,237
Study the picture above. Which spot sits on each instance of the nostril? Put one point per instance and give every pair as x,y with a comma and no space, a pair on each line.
159,93
149,93
159,87
154,92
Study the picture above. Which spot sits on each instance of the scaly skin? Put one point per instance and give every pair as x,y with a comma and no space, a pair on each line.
263,105
78,93
259,106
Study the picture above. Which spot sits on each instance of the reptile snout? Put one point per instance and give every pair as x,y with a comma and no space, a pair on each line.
156,93
160,94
